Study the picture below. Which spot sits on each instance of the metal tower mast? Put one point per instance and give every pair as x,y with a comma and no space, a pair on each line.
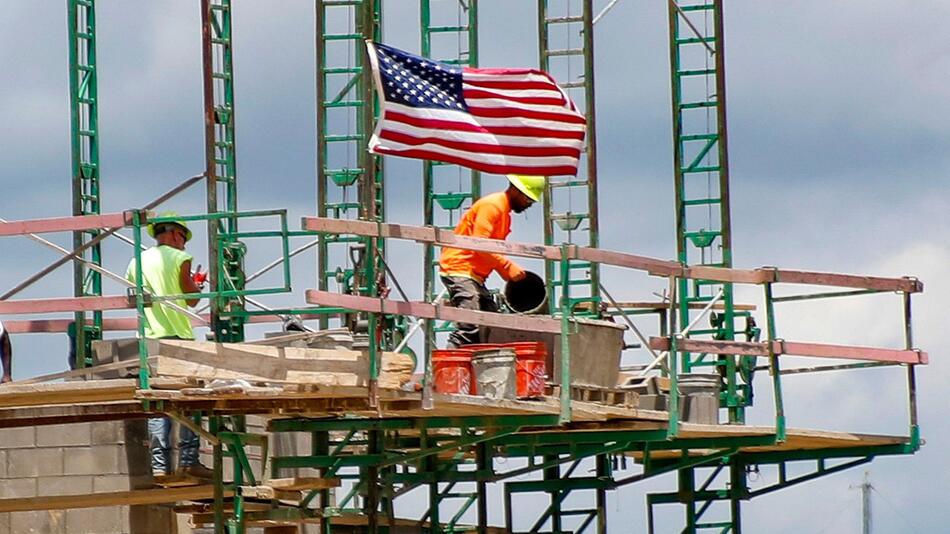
701,172
349,178
84,121
225,253
569,56
449,34
448,189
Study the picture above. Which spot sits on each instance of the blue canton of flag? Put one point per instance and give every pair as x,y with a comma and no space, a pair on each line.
419,82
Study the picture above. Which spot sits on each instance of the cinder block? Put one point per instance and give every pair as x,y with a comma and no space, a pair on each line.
39,522
5,524
14,488
107,433
119,350
153,520
102,520
23,463
137,460
100,460
3,464
63,435
15,438
67,485
111,483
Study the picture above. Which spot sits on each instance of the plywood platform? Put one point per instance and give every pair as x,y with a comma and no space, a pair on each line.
65,402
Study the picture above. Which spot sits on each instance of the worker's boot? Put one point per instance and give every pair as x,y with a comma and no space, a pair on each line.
197,471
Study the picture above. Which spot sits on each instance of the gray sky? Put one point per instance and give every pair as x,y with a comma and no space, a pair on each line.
838,135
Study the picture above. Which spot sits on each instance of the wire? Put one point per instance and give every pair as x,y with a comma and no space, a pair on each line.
837,517
907,520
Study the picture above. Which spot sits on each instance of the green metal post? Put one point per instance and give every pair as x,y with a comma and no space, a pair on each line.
687,484
551,474
911,373
737,490
137,221
84,134
483,463
565,415
320,446
431,466
774,368
214,426
566,49
603,473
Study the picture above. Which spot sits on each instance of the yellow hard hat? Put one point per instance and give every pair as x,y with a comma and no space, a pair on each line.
532,186
184,225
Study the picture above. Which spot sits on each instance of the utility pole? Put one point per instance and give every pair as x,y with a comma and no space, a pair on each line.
866,488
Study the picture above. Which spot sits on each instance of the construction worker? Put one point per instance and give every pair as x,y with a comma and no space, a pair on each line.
166,270
464,272
6,355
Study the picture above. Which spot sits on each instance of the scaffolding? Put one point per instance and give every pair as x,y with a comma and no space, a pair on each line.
371,445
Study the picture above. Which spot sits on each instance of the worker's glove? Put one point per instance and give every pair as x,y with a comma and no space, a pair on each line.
515,272
200,278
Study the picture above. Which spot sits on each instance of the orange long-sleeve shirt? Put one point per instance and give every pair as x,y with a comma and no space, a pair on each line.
489,217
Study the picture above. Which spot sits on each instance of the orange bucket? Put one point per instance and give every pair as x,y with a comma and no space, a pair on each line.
530,368
452,371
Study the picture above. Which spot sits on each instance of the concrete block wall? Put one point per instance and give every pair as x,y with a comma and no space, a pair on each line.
105,456
78,458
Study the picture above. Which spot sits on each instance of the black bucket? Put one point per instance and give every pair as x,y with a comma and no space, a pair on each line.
528,295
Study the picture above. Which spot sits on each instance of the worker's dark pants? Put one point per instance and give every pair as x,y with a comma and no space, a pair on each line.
467,294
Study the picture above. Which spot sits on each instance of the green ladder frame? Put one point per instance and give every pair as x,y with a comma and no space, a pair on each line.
221,170
345,122
701,173
579,228
444,208
84,134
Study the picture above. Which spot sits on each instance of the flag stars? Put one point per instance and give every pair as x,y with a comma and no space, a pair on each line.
419,82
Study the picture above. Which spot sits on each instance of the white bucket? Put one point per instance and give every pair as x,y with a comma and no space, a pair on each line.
495,373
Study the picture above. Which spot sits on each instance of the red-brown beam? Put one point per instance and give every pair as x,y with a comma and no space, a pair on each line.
430,311
65,224
791,348
65,304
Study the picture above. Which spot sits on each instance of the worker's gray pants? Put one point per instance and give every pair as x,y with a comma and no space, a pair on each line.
159,432
467,294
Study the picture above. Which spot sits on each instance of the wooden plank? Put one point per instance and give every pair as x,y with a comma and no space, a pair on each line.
434,236
744,348
792,348
906,284
65,304
722,274
820,350
650,265
16,395
80,372
267,492
430,311
69,413
115,498
332,367
65,224
127,324
303,483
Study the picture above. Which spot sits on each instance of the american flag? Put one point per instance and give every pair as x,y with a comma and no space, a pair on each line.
493,120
